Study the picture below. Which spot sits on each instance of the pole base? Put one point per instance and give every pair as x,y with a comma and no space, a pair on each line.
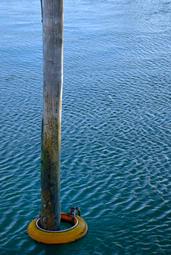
77,231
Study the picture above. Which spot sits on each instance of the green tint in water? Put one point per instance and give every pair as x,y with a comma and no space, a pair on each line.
116,136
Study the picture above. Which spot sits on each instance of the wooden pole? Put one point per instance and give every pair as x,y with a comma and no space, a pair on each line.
52,11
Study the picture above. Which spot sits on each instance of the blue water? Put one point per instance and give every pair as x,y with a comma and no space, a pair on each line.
116,129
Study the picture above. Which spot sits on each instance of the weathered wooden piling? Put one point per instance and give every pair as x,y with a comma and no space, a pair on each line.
52,20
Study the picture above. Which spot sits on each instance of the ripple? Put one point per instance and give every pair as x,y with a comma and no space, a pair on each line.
115,129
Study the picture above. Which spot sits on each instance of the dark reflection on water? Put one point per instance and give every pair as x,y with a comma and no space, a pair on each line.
116,144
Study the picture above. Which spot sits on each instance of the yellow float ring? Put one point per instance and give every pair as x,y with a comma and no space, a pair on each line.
77,231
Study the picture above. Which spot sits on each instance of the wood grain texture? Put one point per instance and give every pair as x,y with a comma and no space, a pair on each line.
51,124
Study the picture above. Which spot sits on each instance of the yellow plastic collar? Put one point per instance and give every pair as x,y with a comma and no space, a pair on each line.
69,235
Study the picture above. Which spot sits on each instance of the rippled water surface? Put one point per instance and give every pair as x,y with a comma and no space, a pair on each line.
116,140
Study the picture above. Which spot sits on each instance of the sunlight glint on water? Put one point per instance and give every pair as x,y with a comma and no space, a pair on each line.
116,133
